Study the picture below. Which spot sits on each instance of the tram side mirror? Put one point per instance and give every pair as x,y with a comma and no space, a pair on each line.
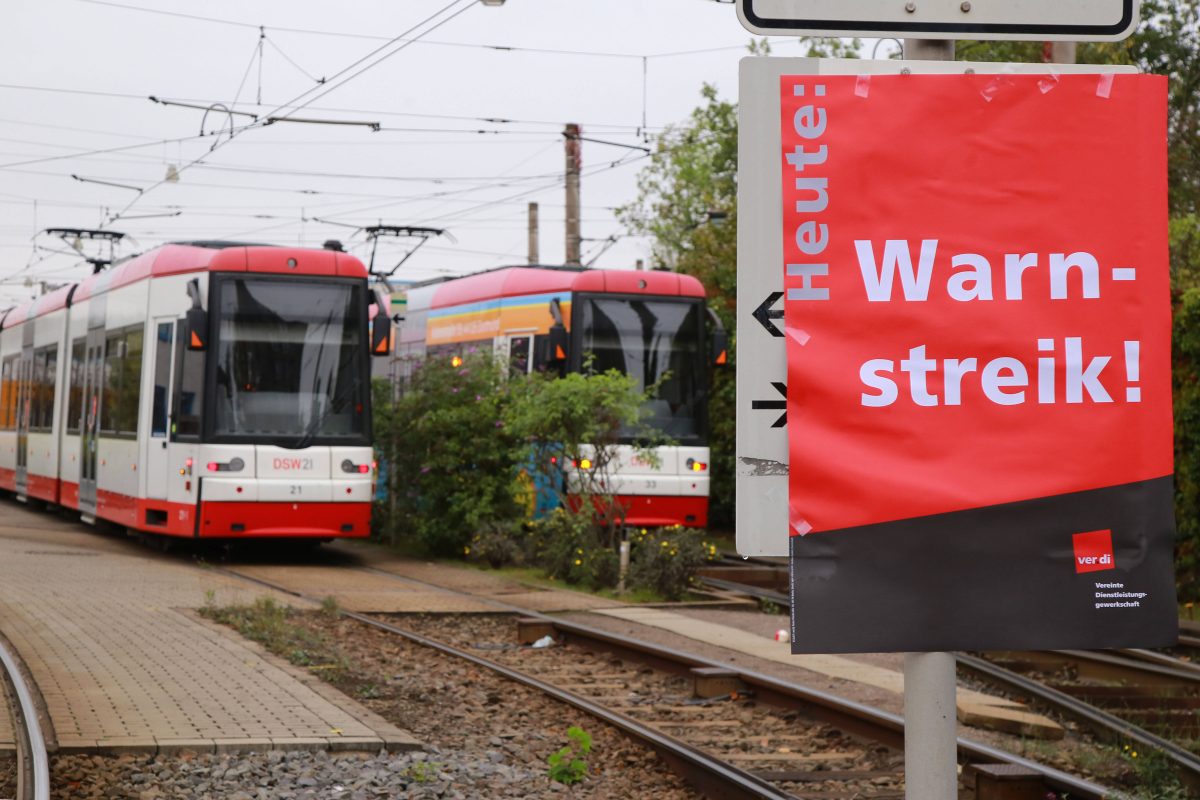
381,324
197,323
719,342
197,319
557,351
558,345
381,335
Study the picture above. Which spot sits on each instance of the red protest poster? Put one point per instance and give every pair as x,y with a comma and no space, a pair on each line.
978,342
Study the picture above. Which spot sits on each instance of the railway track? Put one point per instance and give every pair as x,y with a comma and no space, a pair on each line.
27,776
1143,698
804,743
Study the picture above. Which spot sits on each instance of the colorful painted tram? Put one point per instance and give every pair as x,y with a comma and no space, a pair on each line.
651,325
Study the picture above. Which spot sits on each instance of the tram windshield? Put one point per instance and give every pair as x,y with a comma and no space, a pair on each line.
657,342
291,364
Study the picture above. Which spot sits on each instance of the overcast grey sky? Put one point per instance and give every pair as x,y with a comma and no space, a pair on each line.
88,66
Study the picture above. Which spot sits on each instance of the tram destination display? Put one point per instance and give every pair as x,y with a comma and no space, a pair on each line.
977,322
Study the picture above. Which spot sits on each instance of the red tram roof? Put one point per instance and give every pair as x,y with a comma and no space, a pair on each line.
176,259
518,281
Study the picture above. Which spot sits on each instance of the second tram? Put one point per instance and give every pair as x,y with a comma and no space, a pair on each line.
653,326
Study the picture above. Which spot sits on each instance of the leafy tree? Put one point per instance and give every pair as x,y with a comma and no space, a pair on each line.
575,420
1187,442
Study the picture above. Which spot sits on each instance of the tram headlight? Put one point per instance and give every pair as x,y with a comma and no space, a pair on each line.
696,466
232,465
355,469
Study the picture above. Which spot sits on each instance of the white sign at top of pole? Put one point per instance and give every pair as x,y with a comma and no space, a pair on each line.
1037,20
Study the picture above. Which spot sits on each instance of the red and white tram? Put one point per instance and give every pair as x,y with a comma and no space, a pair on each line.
650,325
209,389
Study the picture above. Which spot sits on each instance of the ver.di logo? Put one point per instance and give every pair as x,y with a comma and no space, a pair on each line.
1093,551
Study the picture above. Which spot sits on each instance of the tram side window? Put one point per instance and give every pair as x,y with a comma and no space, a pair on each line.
8,394
162,372
518,355
189,387
37,390
75,398
122,382
45,364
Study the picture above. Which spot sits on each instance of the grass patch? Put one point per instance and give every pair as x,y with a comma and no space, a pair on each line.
270,624
536,578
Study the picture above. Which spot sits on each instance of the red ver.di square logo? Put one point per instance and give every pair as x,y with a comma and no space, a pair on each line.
1093,551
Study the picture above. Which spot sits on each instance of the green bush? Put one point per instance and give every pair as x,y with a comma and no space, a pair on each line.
498,544
665,560
566,544
450,458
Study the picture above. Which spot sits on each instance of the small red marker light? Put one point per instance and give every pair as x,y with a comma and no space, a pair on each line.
364,469
213,466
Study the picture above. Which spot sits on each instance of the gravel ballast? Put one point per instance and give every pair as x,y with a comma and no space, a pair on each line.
485,737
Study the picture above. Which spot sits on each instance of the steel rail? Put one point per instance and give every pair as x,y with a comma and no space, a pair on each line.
1129,667
708,774
757,592
33,774
855,718
704,772
1098,721
1162,659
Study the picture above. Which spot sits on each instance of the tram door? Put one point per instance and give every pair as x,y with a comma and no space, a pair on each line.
25,391
93,379
156,454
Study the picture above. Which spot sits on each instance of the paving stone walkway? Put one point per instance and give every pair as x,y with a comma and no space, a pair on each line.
124,666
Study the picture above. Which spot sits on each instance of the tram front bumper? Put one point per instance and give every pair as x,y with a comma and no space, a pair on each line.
241,520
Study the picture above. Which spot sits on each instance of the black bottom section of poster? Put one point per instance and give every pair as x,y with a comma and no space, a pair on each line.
1001,577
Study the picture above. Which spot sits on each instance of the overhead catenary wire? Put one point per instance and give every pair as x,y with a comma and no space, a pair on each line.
611,128
295,103
429,42
464,208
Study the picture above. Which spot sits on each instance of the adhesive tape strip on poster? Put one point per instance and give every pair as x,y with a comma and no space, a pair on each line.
1048,83
800,336
862,86
1104,85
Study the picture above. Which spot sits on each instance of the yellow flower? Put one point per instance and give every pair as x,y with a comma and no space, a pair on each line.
578,563
1134,754
665,543
466,551
579,551
643,531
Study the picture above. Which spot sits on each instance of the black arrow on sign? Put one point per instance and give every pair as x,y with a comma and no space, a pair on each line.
764,314
774,405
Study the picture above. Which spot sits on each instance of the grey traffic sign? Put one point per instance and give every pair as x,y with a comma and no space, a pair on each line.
1038,20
